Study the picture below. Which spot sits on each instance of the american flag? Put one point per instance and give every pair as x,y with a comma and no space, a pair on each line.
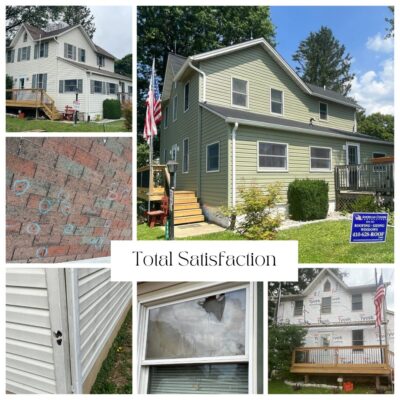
153,110
378,301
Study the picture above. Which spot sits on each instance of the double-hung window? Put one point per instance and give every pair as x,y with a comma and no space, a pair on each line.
101,61
358,339
276,101
240,89
320,159
82,55
198,342
212,157
356,302
323,111
186,97
298,308
272,156
326,305
69,51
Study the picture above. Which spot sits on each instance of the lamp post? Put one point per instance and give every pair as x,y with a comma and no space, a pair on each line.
172,166
76,106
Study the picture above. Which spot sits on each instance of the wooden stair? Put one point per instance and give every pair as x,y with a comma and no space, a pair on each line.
51,112
187,208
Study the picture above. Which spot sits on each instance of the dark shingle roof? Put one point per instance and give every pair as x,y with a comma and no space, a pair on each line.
176,62
38,33
97,70
261,118
331,94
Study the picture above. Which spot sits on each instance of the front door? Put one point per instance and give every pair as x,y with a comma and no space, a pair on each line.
353,159
21,83
326,355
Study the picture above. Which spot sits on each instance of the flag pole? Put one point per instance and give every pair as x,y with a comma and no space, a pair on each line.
385,317
380,330
150,170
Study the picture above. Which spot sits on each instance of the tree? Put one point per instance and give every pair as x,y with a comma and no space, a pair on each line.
142,157
390,21
9,85
124,65
191,30
376,124
41,16
323,61
282,340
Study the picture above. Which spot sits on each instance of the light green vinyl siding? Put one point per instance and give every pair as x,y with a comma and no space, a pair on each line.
214,185
263,73
298,157
185,126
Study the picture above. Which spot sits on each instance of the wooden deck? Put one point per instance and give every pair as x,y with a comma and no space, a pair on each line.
33,98
343,360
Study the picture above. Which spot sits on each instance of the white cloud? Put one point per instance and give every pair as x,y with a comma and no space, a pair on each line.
380,44
374,90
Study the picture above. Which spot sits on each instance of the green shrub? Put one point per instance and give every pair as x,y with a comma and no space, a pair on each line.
127,111
364,203
9,85
308,199
112,109
259,219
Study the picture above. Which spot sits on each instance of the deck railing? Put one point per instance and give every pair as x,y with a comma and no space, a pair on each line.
336,356
152,182
373,177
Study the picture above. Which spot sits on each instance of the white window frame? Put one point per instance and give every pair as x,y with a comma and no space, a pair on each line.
72,51
186,292
219,157
272,169
24,57
327,111
247,92
166,110
184,97
358,151
183,155
175,108
330,158
283,101
25,37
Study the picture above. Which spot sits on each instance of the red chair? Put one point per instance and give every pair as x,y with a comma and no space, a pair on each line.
158,216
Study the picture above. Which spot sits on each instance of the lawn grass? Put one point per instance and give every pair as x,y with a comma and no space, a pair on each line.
24,125
279,387
322,242
115,375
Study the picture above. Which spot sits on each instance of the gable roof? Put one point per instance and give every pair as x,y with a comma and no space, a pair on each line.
38,34
312,90
232,115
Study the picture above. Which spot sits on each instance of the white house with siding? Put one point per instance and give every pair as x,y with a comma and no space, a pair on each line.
62,63
60,324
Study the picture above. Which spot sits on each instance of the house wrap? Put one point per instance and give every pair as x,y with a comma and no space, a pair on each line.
240,115
65,62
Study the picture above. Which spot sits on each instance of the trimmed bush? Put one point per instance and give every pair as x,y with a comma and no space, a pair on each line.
112,109
127,110
308,199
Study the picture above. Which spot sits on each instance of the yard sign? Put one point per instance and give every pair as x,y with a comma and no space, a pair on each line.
368,227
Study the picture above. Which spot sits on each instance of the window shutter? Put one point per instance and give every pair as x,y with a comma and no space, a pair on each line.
28,56
19,54
65,50
199,379
74,52
46,49
35,51
80,85
34,81
45,82
61,87
92,86
103,88
12,55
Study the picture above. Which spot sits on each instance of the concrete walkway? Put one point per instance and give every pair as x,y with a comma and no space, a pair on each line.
196,229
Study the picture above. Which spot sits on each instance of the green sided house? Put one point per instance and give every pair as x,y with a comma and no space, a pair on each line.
240,116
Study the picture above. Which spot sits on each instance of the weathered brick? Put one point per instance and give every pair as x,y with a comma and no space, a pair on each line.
100,231
38,154
86,159
25,168
122,176
60,146
116,206
85,198
50,175
69,167
103,203
25,253
92,176
78,249
78,219
127,155
34,200
46,240
81,142
84,231
12,226
113,145
91,211
107,214
78,185
65,258
14,200
84,256
12,145
54,251
101,152
128,169
30,228
9,178
105,169
96,222
53,217
117,162
99,191
21,215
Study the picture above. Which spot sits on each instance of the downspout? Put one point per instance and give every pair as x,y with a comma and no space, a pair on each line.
74,329
236,126
203,74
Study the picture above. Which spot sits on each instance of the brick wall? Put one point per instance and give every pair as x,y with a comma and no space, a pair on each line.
67,197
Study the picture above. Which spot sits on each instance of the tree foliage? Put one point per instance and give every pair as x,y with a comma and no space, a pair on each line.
376,124
282,340
191,30
124,65
390,21
41,16
323,61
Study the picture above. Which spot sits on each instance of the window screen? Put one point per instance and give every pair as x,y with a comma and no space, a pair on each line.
239,92
272,155
323,111
358,337
356,302
213,157
200,379
298,307
276,101
326,305
320,158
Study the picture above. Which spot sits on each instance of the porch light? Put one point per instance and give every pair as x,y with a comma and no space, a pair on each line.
172,166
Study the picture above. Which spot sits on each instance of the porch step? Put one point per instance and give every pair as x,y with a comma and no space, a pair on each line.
188,212
187,209
185,206
188,220
185,199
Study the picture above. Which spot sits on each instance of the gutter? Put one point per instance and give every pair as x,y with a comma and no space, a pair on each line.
203,74
236,126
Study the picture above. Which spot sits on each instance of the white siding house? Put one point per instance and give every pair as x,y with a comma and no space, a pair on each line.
64,63
60,324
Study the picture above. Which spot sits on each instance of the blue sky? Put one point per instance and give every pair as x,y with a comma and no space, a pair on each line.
361,30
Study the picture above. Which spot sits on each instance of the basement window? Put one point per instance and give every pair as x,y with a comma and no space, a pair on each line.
356,302
326,305
197,345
